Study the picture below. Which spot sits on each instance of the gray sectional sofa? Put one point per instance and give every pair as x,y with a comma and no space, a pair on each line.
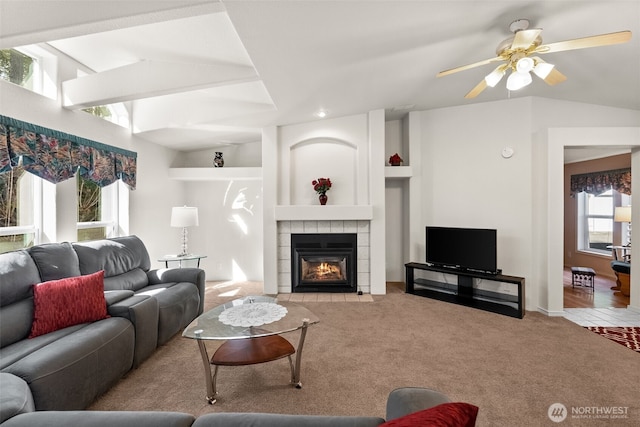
67,369
17,410
46,380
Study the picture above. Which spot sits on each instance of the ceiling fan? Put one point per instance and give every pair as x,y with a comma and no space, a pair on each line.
518,54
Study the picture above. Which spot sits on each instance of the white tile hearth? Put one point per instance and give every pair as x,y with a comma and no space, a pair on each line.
325,297
360,227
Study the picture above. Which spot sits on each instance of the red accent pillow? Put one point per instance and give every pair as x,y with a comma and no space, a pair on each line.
455,414
67,302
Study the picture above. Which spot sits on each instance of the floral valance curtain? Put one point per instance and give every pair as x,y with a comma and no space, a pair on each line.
56,156
599,182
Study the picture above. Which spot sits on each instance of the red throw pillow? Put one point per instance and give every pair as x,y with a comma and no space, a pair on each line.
455,414
67,302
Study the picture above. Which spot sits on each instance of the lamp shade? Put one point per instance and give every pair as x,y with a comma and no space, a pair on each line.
184,216
622,214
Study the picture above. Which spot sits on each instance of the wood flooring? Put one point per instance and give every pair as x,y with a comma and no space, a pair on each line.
602,297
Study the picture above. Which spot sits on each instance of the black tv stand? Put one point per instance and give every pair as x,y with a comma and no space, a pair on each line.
509,303
455,269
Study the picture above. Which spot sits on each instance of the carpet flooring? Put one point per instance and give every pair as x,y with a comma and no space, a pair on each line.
514,370
627,336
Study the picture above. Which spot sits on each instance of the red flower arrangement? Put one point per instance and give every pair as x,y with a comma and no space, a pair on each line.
321,185
395,160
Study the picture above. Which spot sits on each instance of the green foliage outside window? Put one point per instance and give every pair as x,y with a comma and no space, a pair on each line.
89,209
15,67
89,201
99,111
9,184
9,197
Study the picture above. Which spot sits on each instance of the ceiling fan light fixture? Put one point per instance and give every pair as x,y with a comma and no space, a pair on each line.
518,80
524,65
542,69
494,77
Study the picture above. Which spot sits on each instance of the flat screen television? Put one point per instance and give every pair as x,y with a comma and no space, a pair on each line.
470,249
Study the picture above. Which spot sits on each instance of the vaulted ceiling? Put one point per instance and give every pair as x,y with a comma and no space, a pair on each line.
198,74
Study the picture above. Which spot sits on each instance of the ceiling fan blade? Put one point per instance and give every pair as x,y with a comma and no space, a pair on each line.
525,38
586,42
552,76
555,77
468,66
476,90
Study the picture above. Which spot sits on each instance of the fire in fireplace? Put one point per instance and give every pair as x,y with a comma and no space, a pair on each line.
324,262
320,271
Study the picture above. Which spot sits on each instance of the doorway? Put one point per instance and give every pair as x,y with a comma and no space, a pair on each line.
552,213
589,227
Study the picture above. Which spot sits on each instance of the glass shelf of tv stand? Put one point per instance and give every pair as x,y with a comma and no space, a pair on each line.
463,287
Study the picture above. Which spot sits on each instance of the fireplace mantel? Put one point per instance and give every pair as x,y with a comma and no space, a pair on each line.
320,213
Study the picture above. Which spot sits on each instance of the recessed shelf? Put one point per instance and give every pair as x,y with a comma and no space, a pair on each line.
398,172
216,174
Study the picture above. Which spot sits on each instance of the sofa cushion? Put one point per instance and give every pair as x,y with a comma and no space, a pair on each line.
67,302
452,414
249,419
102,419
115,256
15,323
70,372
18,272
55,260
16,351
133,280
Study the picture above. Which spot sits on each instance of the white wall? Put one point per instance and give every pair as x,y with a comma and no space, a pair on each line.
230,231
466,182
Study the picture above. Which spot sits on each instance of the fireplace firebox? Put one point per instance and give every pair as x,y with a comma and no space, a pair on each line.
324,262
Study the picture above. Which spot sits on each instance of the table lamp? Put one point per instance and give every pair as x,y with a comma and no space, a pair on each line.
623,214
184,216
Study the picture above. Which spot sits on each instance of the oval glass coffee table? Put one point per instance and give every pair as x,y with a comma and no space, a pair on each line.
250,328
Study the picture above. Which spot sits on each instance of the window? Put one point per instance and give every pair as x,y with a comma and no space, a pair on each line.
31,67
17,68
97,210
19,195
114,113
595,220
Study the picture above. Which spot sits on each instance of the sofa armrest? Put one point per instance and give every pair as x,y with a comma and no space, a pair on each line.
191,275
406,400
142,311
15,397
112,297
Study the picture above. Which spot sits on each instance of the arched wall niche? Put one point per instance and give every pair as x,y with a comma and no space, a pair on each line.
323,157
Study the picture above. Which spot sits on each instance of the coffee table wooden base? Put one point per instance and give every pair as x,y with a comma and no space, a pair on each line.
251,351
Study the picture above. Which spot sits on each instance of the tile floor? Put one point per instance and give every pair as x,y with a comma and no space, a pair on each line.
603,316
325,297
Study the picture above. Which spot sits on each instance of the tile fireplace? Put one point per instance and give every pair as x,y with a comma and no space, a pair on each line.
344,270
324,262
